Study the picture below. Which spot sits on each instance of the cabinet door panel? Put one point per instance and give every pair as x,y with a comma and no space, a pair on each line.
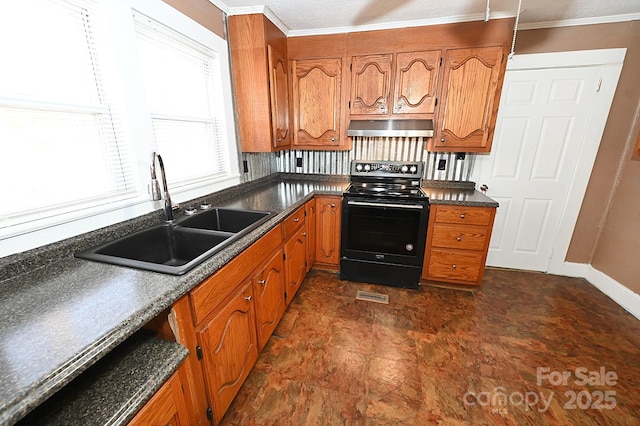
279,87
328,230
230,349
269,297
471,90
316,101
295,263
166,407
416,82
370,84
455,266
310,226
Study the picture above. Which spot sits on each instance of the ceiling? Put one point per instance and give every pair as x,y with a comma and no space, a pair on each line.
307,17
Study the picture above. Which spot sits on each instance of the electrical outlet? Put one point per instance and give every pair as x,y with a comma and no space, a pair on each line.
442,164
299,162
460,156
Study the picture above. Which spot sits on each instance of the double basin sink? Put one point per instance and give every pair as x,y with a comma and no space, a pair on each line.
176,248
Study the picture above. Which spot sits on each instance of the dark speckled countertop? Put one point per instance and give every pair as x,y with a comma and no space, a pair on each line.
59,315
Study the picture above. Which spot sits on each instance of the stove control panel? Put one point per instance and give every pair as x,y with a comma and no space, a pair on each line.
387,168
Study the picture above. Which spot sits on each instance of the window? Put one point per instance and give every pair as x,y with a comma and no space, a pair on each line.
62,148
88,89
180,80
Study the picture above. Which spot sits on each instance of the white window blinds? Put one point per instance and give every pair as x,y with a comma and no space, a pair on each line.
182,86
61,136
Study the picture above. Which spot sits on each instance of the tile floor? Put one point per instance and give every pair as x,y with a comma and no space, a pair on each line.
448,357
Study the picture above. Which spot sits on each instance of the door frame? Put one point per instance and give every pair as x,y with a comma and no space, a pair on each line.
611,61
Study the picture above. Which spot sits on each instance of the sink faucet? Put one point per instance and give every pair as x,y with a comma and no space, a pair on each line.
154,187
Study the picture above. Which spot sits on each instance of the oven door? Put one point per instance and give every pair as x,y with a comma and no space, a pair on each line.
384,231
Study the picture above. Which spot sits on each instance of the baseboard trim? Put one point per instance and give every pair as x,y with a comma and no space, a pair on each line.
620,294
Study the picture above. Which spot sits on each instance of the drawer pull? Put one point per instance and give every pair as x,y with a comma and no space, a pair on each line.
462,216
459,239
333,205
261,282
248,298
297,219
453,266
304,234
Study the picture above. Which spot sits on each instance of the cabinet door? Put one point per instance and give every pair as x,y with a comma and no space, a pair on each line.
268,288
230,349
166,407
295,263
370,84
279,91
310,226
328,230
472,81
416,80
316,101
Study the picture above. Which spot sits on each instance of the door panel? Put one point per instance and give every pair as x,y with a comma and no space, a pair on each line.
540,130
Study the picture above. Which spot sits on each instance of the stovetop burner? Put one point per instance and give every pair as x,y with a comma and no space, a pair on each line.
388,190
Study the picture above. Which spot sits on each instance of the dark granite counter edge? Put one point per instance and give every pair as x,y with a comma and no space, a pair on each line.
115,388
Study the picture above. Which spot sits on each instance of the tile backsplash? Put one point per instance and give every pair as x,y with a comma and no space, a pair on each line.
454,166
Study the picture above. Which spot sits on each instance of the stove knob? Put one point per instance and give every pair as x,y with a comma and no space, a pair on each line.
404,169
367,167
413,169
359,167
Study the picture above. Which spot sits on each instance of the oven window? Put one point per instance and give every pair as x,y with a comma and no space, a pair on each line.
386,230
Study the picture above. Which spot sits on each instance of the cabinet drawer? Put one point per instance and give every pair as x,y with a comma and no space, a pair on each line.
464,237
292,222
464,214
215,289
455,265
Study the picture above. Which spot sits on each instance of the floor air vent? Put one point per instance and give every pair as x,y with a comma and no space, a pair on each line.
372,297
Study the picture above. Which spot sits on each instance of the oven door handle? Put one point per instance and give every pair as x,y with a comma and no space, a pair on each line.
399,206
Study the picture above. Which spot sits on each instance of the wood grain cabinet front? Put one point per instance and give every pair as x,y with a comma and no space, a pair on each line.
261,82
269,292
399,85
470,94
166,407
328,211
457,243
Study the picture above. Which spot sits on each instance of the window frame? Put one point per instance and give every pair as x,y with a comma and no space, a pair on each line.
117,22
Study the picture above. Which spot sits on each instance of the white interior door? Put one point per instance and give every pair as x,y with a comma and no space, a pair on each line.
544,119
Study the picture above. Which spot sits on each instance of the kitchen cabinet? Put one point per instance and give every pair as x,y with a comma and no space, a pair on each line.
310,226
316,98
229,348
295,253
328,211
261,83
166,407
268,289
399,85
457,243
470,93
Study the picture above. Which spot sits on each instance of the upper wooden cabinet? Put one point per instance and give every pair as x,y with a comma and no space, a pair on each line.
471,87
401,85
316,97
261,83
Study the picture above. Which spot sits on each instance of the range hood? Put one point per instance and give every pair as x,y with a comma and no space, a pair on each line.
391,128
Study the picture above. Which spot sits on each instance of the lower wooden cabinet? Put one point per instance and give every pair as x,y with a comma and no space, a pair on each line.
328,211
269,291
310,225
229,346
166,407
295,263
457,243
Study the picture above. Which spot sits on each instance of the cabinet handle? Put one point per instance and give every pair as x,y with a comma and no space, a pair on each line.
248,298
459,239
297,219
453,266
261,282
304,234
333,205
442,139
333,138
462,216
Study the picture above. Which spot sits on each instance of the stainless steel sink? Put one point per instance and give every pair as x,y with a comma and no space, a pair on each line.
226,220
176,248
